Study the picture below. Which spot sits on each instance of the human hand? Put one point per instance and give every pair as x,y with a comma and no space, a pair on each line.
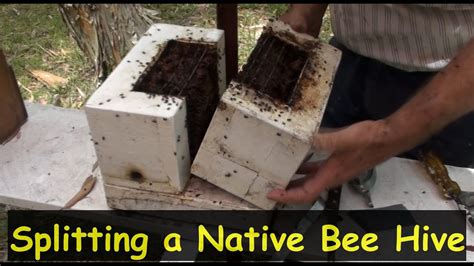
296,20
447,97
352,150
305,18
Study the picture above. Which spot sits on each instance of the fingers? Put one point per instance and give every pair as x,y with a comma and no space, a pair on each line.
309,190
293,195
304,192
294,20
351,152
327,175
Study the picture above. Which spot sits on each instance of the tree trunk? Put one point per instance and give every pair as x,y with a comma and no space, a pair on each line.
105,32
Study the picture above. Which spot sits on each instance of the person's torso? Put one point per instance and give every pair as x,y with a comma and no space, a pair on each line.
412,37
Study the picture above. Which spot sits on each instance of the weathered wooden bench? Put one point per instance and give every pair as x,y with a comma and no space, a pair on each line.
47,162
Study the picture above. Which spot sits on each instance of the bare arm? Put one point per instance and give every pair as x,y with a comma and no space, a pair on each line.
361,146
447,97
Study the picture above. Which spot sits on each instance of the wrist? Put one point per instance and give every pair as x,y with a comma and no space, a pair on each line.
386,137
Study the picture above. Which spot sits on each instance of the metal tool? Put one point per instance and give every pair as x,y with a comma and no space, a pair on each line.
450,189
363,183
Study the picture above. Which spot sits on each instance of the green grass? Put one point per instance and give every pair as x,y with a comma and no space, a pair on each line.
34,37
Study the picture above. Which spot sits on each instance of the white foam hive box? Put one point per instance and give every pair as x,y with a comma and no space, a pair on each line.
255,144
141,139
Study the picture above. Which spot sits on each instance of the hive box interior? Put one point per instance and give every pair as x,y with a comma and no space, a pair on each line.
186,70
274,68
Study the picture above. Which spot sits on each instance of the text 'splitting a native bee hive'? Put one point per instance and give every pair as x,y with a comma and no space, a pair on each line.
148,118
265,121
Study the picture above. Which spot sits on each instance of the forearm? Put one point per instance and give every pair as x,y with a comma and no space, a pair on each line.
447,97
305,18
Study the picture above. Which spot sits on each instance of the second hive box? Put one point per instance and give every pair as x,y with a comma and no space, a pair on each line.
264,124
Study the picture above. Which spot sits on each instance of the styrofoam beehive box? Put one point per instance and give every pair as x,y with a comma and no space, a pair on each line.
249,151
141,141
